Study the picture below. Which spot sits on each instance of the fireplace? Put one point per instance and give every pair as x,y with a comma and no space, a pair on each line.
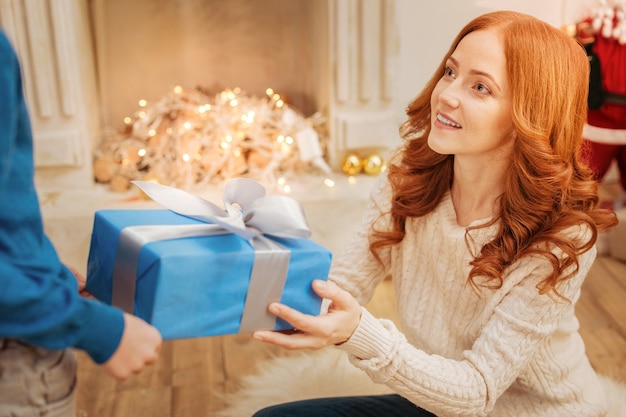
88,63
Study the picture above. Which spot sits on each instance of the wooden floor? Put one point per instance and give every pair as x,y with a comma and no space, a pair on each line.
191,375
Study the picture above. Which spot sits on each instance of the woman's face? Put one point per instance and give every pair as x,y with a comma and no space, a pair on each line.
471,103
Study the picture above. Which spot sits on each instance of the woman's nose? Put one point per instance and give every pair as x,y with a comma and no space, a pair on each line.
449,95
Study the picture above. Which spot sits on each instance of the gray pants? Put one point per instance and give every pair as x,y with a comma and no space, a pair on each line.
36,382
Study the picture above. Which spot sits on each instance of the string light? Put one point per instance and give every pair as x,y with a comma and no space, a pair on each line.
216,137
329,182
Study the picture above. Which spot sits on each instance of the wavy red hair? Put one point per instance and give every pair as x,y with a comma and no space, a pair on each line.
548,189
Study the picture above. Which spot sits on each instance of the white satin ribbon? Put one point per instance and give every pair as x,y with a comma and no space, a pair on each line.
277,215
249,213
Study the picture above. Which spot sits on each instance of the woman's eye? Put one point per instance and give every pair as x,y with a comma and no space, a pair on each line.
482,88
449,72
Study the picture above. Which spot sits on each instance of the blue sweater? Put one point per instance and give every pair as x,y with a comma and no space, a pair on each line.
39,300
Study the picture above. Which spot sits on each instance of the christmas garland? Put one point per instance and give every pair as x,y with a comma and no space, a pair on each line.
192,138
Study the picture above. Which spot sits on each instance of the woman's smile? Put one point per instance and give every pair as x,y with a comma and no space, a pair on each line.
447,121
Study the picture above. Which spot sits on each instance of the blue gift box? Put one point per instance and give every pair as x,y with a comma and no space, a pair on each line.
197,286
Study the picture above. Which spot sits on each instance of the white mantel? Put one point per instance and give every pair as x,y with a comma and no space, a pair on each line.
54,46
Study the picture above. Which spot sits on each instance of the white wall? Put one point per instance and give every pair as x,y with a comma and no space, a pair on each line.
426,29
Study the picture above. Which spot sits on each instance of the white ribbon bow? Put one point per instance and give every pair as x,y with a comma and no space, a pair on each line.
248,213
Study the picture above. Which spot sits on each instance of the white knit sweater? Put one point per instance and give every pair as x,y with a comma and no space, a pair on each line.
505,352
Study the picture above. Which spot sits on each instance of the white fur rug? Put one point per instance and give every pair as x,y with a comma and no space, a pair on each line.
328,373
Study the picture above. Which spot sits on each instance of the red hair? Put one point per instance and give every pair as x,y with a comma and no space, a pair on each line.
547,190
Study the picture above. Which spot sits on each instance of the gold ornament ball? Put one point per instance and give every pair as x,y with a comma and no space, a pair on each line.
373,164
351,164
119,183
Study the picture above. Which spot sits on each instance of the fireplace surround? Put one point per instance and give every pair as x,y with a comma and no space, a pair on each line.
86,63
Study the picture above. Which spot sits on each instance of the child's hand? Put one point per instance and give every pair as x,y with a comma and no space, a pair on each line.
81,280
139,347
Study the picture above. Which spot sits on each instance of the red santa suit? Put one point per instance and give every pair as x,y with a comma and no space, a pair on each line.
605,131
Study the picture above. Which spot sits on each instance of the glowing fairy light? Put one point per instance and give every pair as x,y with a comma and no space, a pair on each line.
329,182
282,185
226,142
189,123
248,117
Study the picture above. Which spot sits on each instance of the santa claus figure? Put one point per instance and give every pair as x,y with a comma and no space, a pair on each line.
605,131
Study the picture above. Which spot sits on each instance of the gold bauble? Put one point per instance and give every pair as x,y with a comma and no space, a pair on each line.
373,164
104,169
119,183
351,164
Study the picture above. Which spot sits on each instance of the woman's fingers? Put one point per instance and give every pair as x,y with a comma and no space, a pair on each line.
341,299
316,331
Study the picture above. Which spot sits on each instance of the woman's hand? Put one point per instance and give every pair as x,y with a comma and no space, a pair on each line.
314,332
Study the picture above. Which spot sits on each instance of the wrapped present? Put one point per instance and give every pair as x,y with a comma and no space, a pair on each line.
195,270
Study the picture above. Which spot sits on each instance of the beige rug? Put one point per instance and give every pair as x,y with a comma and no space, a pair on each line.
327,373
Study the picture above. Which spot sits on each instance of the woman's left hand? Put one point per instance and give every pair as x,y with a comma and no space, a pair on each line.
314,332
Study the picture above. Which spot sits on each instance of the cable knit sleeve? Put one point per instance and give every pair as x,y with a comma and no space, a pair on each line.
518,339
361,281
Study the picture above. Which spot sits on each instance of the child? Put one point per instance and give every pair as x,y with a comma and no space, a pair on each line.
41,311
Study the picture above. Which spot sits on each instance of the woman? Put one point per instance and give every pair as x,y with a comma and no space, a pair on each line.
486,223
